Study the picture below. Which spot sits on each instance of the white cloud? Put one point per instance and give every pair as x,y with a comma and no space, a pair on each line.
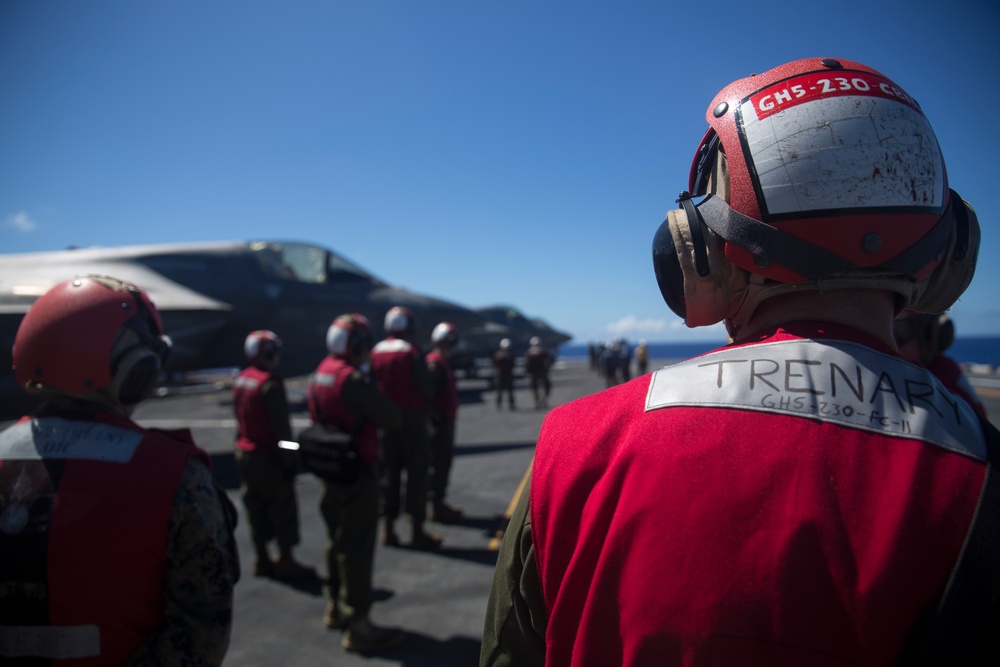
632,325
663,329
21,221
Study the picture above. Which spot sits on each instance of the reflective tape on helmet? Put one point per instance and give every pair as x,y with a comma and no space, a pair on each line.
856,141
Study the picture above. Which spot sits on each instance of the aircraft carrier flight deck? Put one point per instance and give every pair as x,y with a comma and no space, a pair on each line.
437,598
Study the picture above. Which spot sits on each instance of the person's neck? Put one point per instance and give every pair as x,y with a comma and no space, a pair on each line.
869,311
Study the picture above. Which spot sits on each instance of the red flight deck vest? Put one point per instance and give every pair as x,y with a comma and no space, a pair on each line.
950,373
795,501
326,404
445,403
392,365
84,508
248,402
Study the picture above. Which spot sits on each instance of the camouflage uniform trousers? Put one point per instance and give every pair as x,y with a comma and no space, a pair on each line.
442,455
268,491
406,449
350,512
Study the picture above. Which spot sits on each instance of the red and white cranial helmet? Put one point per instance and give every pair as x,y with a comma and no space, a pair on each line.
400,320
831,152
444,332
91,335
262,345
819,171
349,335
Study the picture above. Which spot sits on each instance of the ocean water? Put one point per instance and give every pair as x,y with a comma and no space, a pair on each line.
965,350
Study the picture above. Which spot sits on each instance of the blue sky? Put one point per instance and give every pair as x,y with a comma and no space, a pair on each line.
476,150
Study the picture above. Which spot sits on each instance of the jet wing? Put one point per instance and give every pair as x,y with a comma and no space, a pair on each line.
189,317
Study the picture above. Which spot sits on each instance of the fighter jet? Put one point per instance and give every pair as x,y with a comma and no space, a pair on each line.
512,324
211,295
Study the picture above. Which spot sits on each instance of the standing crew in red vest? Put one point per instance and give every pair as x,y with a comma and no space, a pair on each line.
800,496
401,371
444,411
343,395
267,472
503,367
537,363
923,339
116,545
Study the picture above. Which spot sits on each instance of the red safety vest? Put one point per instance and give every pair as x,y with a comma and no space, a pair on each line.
251,415
950,373
326,404
445,403
789,502
393,362
85,509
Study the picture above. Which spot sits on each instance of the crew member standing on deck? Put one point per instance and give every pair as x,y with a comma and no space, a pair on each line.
923,338
444,411
642,357
342,395
798,497
116,545
537,363
401,372
503,367
267,473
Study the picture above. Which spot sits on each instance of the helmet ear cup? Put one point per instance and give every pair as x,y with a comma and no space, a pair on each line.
946,333
135,375
137,357
666,266
682,261
958,265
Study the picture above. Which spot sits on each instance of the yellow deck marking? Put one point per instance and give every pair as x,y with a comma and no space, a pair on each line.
495,541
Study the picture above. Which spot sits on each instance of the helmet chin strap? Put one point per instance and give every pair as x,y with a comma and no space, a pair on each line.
807,259
744,291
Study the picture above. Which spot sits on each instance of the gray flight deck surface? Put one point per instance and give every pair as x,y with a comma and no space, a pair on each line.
438,599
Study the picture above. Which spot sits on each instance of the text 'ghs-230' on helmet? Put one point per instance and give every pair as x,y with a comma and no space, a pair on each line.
818,174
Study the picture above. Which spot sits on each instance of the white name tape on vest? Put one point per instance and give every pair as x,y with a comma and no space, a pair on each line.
56,438
832,381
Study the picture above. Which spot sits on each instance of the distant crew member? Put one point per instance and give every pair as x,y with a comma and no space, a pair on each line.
642,357
401,371
444,411
609,360
267,473
594,353
116,545
503,366
537,363
624,358
341,394
923,338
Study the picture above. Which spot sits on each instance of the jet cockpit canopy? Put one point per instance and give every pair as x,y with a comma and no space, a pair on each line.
308,264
